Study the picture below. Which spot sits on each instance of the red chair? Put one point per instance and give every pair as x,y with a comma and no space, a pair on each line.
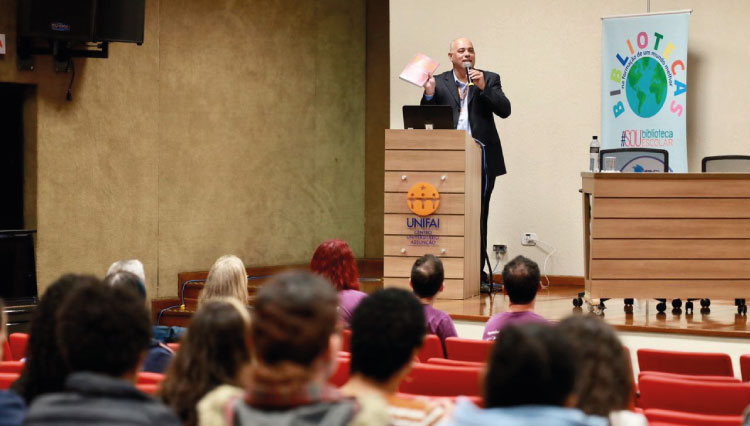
341,375
346,340
149,378
745,367
7,354
431,348
468,349
12,366
715,398
7,379
455,363
694,363
690,419
18,343
713,379
440,380
147,388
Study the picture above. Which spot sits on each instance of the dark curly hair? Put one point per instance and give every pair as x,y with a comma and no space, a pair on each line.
212,353
45,369
335,261
387,327
605,381
103,329
530,364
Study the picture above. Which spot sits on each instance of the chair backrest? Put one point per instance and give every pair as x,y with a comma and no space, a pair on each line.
346,340
439,380
468,349
455,362
745,367
18,343
431,348
341,375
7,379
640,160
12,366
7,353
726,164
694,363
701,378
147,388
690,419
693,396
147,377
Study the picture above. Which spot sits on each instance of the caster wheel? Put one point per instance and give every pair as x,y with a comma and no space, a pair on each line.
688,307
661,307
676,303
629,301
577,302
705,303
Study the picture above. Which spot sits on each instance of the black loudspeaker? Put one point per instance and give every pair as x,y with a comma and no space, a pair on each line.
120,20
57,19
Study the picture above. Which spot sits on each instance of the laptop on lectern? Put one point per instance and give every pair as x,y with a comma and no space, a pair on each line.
428,117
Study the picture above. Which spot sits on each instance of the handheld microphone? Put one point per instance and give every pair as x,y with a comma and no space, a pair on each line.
467,65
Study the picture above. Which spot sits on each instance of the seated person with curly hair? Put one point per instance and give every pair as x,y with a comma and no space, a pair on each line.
391,322
605,384
103,334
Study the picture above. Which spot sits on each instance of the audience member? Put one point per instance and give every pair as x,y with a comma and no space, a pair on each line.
12,407
530,381
294,344
388,329
521,281
103,335
45,369
335,261
227,278
159,354
161,333
214,352
605,382
427,278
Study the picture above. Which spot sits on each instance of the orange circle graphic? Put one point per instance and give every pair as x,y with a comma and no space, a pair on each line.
423,199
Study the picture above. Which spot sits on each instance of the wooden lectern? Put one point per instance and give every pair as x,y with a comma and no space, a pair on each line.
428,170
667,235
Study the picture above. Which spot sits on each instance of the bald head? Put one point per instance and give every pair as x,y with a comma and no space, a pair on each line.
461,50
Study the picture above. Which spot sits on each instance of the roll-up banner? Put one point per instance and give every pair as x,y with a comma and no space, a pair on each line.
644,83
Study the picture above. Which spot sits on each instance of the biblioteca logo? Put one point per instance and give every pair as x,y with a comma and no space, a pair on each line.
644,78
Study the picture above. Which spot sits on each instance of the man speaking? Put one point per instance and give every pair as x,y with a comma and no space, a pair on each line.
475,96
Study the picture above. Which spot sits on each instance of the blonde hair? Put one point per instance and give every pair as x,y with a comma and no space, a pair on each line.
227,278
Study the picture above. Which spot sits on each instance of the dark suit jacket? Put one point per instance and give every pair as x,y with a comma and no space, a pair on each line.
482,106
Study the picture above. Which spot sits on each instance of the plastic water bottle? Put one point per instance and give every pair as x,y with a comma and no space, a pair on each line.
594,155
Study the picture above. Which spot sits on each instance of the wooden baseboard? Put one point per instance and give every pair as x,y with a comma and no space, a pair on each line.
554,280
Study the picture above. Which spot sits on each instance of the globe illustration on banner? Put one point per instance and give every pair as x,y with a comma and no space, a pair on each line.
646,87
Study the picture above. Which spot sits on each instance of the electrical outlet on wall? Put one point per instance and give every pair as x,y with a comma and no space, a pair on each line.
528,239
499,249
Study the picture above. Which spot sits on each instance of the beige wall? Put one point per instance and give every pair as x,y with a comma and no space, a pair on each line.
548,55
238,127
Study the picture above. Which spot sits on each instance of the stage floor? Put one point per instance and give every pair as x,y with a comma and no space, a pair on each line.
555,303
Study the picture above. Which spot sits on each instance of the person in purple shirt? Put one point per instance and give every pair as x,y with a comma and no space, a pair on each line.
334,260
521,281
427,277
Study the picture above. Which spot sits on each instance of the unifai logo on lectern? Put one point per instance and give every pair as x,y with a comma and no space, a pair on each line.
423,223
